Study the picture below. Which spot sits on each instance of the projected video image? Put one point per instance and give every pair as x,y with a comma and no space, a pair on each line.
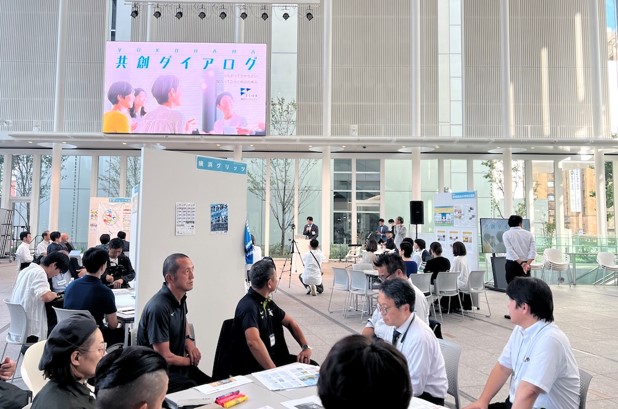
185,88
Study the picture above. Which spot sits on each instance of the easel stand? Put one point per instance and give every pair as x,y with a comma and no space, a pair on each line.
293,249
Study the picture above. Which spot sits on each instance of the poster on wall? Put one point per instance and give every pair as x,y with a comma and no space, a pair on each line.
219,218
108,215
456,219
185,218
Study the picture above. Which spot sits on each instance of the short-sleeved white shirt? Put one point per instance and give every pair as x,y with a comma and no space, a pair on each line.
30,286
541,355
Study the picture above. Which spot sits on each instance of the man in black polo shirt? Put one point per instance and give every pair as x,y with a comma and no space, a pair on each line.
119,271
257,332
164,327
89,293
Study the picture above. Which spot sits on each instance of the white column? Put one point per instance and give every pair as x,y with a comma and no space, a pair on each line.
94,176
529,192
559,193
615,172
54,189
6,180
507,164
325,228
382,187
237,153
239,26
35,194
595,73
122,179
415,79
266,248
60,68
353,213
599,165
470,174
296,193
416,173
327,72
505,69
440,175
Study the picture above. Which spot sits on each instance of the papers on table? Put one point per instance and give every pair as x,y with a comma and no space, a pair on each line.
289,377
118,291
222,385
310,402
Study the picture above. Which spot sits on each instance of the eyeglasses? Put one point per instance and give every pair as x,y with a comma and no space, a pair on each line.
384,278
383,309
102,348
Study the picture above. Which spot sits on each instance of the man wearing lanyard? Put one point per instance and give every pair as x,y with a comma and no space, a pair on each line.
520,250
311,231
258,341
415,340
538,356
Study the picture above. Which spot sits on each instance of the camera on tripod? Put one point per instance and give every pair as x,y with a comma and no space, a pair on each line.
292,226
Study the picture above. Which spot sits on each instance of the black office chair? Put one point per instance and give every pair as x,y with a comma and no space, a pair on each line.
223,362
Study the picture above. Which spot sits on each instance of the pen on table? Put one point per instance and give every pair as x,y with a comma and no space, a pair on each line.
236,401
227,395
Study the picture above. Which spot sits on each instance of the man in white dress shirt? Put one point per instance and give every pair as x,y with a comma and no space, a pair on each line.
415,340
23,256
538,356
41,249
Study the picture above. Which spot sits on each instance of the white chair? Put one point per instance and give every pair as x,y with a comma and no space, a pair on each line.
30,372
476,285
354,254
607,264
423,282
584,383
534,267
341,282
17,330
451,353
359,286
445,285
362,266
63,313
558,262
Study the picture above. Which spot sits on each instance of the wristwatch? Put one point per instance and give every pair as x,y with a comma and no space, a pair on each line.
306,347
189,337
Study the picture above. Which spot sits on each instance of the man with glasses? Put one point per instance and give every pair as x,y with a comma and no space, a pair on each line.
391,266
258,341
415,340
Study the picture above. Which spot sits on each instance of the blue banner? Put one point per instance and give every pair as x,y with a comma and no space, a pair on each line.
221,165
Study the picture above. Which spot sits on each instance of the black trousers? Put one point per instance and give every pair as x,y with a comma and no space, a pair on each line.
513,269
501,405
429,398
181,378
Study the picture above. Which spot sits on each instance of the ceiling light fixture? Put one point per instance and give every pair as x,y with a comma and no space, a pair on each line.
264,13
309,14
179,12
134,11
157,12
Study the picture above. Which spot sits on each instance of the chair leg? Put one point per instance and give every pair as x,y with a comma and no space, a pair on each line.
460,305
331,299
487,300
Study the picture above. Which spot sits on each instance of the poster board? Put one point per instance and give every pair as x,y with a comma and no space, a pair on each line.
455,217
108,215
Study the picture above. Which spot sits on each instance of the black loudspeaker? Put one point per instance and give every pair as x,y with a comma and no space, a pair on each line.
417,215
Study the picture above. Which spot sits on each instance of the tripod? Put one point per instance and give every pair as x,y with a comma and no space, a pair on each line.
293,249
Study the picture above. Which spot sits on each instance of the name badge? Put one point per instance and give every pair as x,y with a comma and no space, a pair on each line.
272,340
62,282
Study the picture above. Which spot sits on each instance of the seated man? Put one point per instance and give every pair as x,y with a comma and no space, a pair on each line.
133,377
390,241
104,239
23,256
55,244
119,270
125,244
415,340
11,397
41,248
32,291
89,293
164,327
257,332
538,356
360,373
391,266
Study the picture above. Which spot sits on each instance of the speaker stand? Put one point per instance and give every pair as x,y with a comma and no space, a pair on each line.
416,226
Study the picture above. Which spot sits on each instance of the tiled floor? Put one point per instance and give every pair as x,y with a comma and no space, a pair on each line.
587,314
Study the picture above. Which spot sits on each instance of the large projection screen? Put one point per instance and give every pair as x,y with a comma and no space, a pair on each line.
185,88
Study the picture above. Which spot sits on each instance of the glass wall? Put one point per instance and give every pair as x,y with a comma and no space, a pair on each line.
398,188
367,197
342,201
109,176
75,199
134,172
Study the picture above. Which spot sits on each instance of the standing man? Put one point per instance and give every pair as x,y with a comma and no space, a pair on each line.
23,256
520,250
400,231
119,271
41,249
32,291
538,356
310,231
164,326
415,340
258,341
381,231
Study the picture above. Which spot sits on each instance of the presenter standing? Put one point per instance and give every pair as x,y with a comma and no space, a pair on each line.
400,231
310,231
